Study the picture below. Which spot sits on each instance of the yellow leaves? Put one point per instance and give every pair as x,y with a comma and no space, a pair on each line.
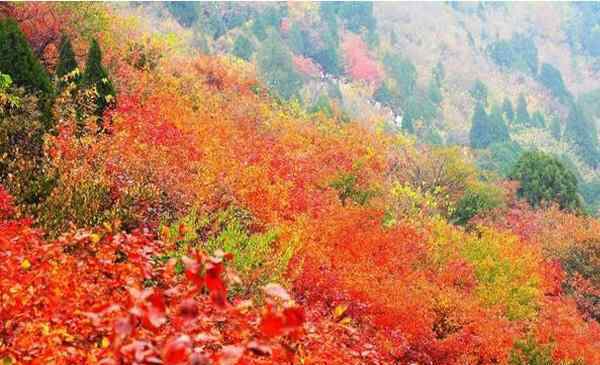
339,312
45,329
95,238
104,343
25,264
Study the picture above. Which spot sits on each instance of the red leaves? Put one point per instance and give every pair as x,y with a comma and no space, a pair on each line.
213,275
214,281
149,307
188,310
6,204
177,351
272,324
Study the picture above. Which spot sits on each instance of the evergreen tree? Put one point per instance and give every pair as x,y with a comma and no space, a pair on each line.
434,93
544,178
384,95
242,48
552,79
479,92
522,116
408,121
555,128
96,76
537,119
276,68
498,129
18,61
66,58
439,73
508,110
583,134
479,134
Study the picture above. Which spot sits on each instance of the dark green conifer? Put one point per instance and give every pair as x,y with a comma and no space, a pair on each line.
522,116
508,110
66,58
479,128
96,76
18,61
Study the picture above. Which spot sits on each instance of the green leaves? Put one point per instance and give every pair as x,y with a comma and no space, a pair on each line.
544,179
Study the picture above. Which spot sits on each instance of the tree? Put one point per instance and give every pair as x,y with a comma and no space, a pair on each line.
551,78
18,61
582,134
384,95
439,73
476,200
508,110
403,72
522,116
498,129
537,119
488,129
479,92
276,68
66,58
95,76
555,128
407,121
544,179
434,93
242,48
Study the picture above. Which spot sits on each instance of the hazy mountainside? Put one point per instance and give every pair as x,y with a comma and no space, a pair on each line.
423,67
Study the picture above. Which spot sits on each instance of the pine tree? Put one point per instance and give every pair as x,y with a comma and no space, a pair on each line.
479,134
407,122
555,128
508,110
96,76
66,58
522,116
18,61
479,92
498,131
538,120
242,48
276,68
583,134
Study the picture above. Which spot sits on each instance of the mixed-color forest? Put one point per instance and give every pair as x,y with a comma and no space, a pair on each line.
299,183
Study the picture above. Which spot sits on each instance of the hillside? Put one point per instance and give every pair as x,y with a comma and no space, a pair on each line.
418,64
171,193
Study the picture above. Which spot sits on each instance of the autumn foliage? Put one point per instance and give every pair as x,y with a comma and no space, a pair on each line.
112,267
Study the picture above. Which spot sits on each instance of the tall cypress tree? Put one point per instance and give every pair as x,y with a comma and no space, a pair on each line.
18,61
498,131
583,134
66,58
407,121
522,116
480,127
507,109
96,76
